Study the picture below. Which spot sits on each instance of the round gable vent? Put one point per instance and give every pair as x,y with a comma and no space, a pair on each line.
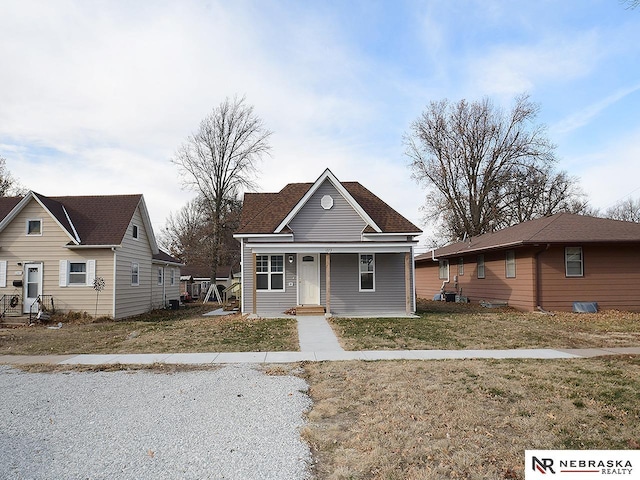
326,202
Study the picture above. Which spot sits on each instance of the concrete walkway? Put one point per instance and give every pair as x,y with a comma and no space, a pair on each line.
318,343
316,335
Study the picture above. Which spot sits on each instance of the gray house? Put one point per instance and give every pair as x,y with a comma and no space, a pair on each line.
325,247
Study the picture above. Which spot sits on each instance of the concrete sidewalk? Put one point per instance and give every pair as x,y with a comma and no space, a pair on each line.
315,356
318,343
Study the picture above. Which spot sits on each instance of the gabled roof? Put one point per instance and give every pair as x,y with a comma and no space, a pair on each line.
269,213
94,220
561,228
202,271
164,257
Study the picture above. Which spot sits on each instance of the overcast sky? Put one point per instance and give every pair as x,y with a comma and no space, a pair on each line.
96,96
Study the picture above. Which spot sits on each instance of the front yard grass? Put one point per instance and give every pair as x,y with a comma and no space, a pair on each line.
164,331
465,326
465,418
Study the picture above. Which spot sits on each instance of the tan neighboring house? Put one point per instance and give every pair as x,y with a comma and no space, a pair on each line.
52,249
548,264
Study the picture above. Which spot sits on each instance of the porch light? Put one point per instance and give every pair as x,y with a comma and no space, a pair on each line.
290,258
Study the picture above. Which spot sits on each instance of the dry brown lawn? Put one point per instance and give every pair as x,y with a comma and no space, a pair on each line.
158,332
469,419
465,326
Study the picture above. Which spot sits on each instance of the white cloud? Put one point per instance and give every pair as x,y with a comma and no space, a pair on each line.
584,116
509,70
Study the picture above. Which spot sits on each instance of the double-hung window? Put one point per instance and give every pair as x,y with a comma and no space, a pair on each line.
77,273
135,274
270,272
443,270
160,275
510,264
480,263
367,272
574,265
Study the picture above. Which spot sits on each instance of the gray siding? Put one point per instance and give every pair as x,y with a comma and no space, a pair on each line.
313,223
269,303
134,299
346,299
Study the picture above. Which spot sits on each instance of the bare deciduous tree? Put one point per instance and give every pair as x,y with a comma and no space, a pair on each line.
9,186
485,168
187,235
219,162
630,4
627,210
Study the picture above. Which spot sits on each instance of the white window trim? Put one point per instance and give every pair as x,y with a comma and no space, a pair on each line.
26,227
137,282
481,258
173,277
506,264
442,262
3,273
461,266
64,274
360,272
135,232
566,263
160,275
270,272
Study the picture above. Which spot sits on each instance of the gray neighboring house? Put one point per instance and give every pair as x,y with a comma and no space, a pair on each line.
325,247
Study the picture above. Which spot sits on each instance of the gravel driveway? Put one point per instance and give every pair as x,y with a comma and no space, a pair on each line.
233,423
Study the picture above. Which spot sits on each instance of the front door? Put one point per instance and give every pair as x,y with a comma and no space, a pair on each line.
309,279
32,284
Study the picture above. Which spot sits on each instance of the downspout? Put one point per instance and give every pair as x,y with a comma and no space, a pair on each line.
115,270
433,258
413,280
538,282
164,284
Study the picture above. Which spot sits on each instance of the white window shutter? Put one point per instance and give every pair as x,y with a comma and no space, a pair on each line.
62,274
3,273
91,271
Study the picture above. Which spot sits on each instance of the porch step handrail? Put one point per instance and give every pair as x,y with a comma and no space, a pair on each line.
44,303
11,303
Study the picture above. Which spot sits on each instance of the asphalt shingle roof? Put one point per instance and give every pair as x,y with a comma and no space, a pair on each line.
98,220
559,228
263,212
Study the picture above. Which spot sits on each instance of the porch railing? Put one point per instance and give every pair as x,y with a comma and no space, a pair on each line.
42,308
11,305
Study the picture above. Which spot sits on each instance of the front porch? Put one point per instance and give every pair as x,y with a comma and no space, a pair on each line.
344,281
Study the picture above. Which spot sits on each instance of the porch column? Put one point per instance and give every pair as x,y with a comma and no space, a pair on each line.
328,282
254,289
407,282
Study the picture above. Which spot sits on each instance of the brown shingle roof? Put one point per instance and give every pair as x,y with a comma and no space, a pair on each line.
263,212
98,219
7,204
563,228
